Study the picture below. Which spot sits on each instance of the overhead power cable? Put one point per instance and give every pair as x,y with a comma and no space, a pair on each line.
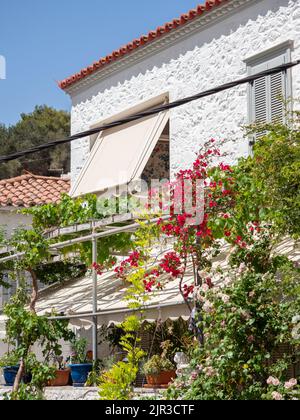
153,111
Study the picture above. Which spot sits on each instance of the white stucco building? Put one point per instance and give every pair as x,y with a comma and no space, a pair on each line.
217,42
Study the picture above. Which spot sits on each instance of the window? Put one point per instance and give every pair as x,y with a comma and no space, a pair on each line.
267,95
121,154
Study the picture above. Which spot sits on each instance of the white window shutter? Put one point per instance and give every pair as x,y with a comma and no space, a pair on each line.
260,100
267,95
277,97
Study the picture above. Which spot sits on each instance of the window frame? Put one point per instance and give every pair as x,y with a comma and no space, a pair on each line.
263,59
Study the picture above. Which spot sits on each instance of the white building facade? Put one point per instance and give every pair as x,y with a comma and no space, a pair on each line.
226,41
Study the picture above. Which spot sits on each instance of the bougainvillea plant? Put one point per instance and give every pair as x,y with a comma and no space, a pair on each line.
237,210
249,325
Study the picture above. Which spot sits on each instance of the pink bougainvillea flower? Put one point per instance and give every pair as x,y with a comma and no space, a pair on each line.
209,371
225,298
208,307
205,287
291,383
277,396
273,381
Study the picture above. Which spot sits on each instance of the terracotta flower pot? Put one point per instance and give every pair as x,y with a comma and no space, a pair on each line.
61,378
163,379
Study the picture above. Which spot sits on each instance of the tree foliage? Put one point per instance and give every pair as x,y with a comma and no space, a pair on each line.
43,124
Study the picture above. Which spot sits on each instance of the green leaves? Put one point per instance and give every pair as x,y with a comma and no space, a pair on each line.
67,212
43,124
79,347
28,328
242,338
275,171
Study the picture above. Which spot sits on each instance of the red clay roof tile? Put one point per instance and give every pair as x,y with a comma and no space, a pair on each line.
30,190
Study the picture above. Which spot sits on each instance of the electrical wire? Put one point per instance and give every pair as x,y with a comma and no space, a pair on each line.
145,114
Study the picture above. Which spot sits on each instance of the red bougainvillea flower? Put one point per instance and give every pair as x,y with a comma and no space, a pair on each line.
133,259
131,262
226,216
187,291
226,193
171,264
240,242
101,268
225,168
151,280
209,282
149,285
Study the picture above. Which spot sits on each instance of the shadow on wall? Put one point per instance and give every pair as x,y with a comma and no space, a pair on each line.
213,33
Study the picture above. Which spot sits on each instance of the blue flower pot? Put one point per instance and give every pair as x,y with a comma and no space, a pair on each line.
10,373
80,373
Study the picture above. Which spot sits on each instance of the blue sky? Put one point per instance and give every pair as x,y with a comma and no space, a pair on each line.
45,41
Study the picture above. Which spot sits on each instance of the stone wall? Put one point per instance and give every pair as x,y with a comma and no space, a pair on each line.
192,64
65,394
85,394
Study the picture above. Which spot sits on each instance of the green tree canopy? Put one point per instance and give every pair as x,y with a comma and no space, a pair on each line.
43,124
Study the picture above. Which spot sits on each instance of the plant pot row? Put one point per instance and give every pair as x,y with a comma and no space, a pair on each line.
79,375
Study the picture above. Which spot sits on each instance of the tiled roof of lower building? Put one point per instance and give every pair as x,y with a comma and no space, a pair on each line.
32,190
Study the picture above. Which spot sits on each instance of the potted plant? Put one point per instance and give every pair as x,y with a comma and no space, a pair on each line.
62,373
80,363
159,370
10,366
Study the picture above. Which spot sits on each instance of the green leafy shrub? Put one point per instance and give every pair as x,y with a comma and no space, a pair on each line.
9,359
28,328
157,365
79,351
117,383
244,324
60,271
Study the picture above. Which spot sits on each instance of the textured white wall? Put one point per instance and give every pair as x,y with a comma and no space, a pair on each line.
10,220
207,59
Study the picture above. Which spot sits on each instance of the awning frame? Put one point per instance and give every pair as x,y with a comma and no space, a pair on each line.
93,237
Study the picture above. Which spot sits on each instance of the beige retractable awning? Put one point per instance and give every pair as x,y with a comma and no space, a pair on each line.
75,297
120,155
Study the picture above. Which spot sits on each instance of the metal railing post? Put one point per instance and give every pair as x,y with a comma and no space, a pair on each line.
95,301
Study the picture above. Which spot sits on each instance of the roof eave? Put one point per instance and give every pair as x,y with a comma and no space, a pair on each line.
92,76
